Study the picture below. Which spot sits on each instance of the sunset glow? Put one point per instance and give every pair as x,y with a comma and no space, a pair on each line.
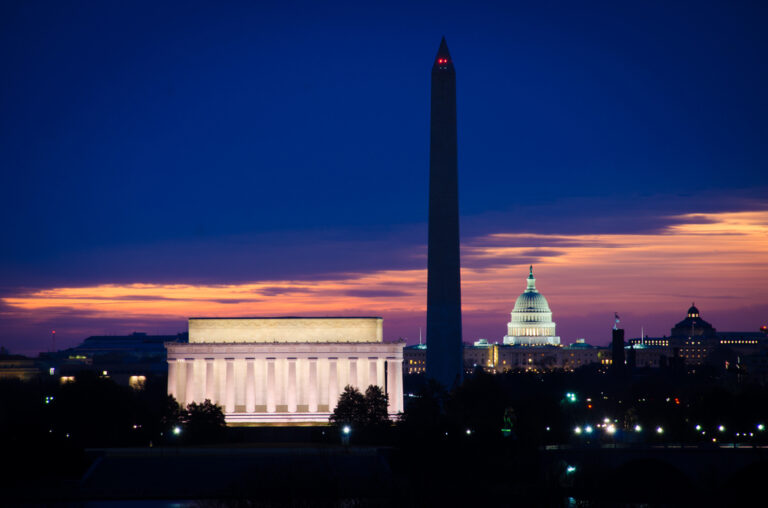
715,259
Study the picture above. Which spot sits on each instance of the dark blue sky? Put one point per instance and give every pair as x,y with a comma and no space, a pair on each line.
197,142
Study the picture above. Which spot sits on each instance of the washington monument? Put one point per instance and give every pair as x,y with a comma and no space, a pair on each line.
444,345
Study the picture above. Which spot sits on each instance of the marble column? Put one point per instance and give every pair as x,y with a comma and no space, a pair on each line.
250,386
312,385
398,385
395,384
333,383
271,408
189,395
173,384
373,374
210,381
290,395
229,400
353,380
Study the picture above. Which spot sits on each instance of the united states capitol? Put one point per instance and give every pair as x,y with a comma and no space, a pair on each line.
532,344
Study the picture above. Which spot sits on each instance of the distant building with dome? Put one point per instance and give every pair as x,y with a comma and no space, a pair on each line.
531,319
693,326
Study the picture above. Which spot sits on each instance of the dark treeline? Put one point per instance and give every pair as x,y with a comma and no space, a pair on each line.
447,445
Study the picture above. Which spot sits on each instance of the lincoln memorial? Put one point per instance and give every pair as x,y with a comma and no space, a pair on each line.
282,370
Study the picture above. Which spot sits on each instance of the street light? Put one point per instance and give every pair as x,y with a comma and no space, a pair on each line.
176,430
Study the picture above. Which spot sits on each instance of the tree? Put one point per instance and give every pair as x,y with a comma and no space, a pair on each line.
203,422
360,410
351,408
170,412
376,406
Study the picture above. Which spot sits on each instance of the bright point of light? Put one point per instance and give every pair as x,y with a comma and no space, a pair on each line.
760,426
469,432
638,428
570,469
698,427
547,429
659,430
721,428
588,429
610,429
577,430
347,429
606,420
177,430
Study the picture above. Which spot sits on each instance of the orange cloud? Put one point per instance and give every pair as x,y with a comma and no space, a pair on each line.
718,259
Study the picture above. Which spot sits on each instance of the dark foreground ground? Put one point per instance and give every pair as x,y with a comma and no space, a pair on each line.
310,467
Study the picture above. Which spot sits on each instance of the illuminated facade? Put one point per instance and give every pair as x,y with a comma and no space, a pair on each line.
531,321
498,358
282,370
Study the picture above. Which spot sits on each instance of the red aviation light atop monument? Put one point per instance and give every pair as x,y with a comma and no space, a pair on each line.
443,59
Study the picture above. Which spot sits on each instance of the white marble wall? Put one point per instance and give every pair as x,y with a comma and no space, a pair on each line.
281,382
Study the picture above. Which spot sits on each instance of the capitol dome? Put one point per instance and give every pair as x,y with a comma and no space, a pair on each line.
531,322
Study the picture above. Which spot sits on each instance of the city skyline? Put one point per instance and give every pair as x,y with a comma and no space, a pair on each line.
222,166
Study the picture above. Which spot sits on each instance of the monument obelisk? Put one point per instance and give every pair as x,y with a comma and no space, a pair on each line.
444,345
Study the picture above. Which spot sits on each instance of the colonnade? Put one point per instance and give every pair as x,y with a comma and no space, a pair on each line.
269,383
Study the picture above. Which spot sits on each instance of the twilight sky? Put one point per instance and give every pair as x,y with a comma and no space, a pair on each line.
258,159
